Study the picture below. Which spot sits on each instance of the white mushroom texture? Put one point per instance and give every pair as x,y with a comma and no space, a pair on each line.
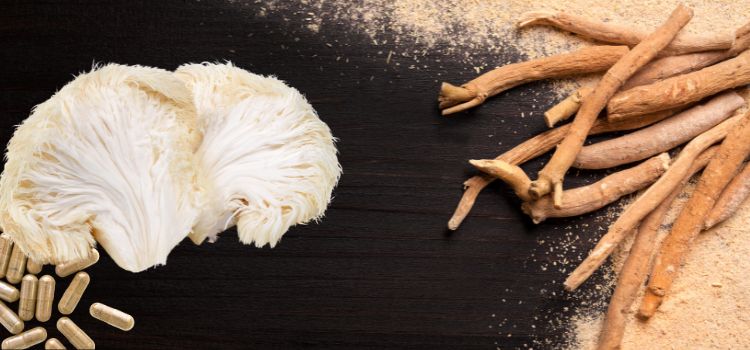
107,158
266,160
137,158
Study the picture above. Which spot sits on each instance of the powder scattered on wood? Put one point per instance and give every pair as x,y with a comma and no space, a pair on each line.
707,307
482,34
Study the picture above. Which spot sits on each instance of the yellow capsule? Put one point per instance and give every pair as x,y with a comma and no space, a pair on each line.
68,268
6,246
16,265
8,292
26,339
33,267
45,296
10,320
27,303
74,334
73,294
112,316
54,344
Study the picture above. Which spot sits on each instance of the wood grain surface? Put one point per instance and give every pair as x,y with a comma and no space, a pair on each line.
380,271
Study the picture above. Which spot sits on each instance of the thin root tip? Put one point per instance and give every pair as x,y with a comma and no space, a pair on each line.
532,17
481,164
649,304
643,315
453,225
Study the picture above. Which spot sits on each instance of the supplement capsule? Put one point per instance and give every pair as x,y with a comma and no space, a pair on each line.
16,265
74,334
10,320
6,246
27,303
54,344
112,316
26,339
8,292
68,268
73,294
33,267
45,296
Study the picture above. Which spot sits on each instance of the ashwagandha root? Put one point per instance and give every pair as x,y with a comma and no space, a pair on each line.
551,176
635,269
731,199
593,59
624,33
535,147
719,171
567,107
511,174
681,89
659,137
670,66
647,202
592,197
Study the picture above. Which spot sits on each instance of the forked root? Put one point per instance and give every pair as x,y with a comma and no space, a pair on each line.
551,176
511,174
585,199
535,147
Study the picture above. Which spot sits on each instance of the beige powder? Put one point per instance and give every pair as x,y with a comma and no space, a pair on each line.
476,31
479,34
708,305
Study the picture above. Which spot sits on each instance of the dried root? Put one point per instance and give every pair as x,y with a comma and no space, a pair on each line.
636,266
682,89
593,59
731,199
589,198
719,171
647,202
659,137
624,34
511,174
670,66
567,107
535,147
551,176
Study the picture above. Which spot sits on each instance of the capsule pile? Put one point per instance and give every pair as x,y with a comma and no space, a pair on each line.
36,299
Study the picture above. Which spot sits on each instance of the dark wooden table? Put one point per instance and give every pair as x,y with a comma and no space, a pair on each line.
380,271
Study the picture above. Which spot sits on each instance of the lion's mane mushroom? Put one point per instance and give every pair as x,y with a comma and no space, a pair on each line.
108,158
266,160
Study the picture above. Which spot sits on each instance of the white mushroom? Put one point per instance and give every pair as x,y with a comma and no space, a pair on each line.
107,158
266,160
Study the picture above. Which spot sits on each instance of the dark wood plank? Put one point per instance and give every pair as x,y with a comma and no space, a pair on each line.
380,271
